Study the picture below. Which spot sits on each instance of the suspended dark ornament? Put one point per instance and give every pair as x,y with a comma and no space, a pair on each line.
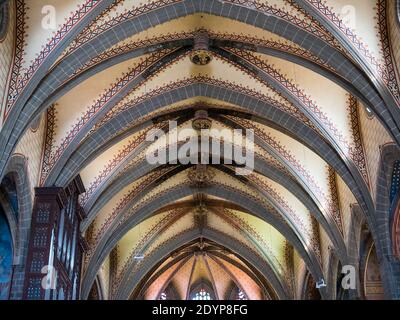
201,120
201,54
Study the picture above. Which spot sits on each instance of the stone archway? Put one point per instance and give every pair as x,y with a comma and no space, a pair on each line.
373,286
370,268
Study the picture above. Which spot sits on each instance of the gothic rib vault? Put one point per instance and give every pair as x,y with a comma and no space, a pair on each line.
323,103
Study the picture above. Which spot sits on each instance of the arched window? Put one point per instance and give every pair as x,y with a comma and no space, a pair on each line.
395,207
202,295
6,255
395,182
61,295
241,295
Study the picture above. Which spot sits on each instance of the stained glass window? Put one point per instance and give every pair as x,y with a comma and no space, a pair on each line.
241,295
395,183
202,295
5,256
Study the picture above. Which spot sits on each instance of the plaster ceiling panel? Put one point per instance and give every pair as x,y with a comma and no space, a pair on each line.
183,224
269,240
215,24
200,272
225,179
163,264
292,202
241,236
360,16
252,290
333,103
217,223
309,160
217,68
74,104
107,210
133,240
218,132
222,279
117,8
100,163
156,287
39,25
182,278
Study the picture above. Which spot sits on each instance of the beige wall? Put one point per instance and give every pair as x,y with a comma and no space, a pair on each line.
31,146
6,57
394,32
346,199
373,135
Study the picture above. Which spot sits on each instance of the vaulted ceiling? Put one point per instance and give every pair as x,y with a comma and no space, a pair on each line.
291,70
